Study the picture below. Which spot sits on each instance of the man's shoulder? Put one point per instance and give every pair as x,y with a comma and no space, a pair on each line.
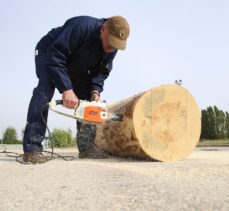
85,20
86,25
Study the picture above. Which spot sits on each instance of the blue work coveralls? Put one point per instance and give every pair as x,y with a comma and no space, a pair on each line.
68,57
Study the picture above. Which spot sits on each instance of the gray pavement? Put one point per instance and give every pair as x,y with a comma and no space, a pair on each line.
200,182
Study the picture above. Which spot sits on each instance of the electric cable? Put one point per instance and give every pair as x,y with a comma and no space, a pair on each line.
53,154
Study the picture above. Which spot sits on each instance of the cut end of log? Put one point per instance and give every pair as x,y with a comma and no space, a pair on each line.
167,122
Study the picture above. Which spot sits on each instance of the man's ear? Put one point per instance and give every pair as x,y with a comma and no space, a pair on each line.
103,27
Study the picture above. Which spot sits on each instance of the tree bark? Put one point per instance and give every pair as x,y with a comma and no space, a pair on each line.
162,124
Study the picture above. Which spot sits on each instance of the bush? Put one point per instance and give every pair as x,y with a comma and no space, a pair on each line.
10,136
62,138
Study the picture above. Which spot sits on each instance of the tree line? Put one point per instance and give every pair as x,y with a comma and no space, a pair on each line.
61,138
214,124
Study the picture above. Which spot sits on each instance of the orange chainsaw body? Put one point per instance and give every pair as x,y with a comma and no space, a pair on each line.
94,114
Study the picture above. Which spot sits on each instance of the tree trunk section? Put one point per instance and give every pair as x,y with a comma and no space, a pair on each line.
161,124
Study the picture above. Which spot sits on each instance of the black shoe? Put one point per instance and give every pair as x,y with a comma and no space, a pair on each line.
94,153
35,157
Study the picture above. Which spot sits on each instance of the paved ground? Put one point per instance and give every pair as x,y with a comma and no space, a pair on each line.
201,182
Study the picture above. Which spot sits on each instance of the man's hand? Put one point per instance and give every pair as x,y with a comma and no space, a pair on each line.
95,96
70,99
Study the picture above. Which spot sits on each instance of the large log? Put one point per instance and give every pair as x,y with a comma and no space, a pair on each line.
162,124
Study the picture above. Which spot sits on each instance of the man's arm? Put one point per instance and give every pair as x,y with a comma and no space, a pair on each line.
58,53
103,72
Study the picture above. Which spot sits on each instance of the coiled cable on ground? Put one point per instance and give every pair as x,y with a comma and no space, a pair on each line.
53,155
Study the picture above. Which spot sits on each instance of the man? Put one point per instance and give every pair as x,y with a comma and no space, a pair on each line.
75,58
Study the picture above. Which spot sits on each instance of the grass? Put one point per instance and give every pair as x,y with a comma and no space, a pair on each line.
211,143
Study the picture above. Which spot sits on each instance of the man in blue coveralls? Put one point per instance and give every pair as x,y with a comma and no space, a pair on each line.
75,58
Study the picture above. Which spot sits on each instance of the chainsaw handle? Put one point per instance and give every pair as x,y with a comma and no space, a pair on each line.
59,102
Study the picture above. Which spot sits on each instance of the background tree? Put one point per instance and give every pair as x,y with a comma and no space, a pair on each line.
212,123
10,136
62,138
227,124
215,124
204,125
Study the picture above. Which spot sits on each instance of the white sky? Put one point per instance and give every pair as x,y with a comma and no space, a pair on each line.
169,40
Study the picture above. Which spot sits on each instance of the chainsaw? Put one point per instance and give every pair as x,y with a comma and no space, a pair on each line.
88,112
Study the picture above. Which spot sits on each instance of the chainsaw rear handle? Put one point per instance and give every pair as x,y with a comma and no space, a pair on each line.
59,102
